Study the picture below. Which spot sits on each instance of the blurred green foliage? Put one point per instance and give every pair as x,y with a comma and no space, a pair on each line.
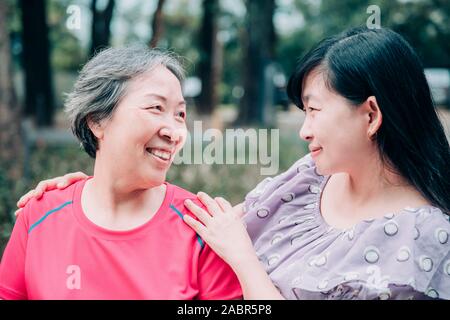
425,24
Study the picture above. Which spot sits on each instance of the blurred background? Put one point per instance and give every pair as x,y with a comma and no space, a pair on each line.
238,53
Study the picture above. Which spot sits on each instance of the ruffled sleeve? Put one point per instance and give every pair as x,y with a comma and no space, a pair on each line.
262,204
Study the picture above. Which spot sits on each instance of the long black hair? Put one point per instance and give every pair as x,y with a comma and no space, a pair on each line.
360,63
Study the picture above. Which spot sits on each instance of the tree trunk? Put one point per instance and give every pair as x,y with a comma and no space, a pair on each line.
157,24
10,140
210,65
260,52
101,22
39,100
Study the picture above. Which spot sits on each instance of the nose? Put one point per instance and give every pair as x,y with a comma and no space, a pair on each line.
305,131
171,133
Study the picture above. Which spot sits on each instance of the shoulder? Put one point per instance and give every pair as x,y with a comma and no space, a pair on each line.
50,202
408,248
178,196
303,170
421,234
390,256
290,197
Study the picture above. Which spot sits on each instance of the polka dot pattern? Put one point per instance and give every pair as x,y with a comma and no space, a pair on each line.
371,254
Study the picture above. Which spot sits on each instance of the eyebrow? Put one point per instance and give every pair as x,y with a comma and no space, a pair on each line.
155,95
308,97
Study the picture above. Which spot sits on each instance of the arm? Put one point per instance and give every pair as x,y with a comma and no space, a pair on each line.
47,185
223,230
12,268
255,282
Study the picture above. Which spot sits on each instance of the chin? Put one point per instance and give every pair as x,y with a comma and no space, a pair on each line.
151,181
323,170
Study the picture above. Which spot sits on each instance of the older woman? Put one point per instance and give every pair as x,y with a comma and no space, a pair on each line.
119,234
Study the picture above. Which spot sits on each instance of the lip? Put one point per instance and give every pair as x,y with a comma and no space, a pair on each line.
158,159
164,149
315,151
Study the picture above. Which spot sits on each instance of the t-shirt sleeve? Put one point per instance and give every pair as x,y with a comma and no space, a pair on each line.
12,267
216,279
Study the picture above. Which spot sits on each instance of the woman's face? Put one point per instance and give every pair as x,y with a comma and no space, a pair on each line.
146,129
337,132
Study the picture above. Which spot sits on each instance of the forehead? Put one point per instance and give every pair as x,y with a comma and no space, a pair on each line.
314,86
159,80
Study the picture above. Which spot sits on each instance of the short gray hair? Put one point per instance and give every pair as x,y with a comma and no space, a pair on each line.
102,83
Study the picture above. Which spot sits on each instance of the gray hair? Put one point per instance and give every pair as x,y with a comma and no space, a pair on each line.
102,83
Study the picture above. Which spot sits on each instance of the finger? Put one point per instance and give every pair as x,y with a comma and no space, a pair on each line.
223,203
25,198
239,210
201,214
40,189
51,184
17,212
199,228
71,178
210,204
46,185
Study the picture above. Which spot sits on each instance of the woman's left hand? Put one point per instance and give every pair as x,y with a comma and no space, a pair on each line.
221,227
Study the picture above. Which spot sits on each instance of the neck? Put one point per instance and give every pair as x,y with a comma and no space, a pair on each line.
373,181
112,195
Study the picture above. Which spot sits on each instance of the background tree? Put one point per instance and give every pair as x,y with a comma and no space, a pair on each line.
39,100
259,53
210,64
157,24
10,140
101,22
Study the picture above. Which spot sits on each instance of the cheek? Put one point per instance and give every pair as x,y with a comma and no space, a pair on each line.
337,135
348,141
183,137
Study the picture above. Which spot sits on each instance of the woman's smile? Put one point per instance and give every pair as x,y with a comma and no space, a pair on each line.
315,151
159,155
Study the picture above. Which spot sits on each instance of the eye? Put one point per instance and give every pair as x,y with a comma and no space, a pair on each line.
181,114
310,109
155,107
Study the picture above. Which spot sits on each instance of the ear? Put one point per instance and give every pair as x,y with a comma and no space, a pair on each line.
97,128
374,116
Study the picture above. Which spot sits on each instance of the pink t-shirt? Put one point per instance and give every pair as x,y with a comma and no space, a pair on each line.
56,252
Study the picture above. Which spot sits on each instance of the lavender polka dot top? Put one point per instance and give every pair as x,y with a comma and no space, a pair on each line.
403,255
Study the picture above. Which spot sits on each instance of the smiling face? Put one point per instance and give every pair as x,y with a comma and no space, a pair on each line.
146,130
337,132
